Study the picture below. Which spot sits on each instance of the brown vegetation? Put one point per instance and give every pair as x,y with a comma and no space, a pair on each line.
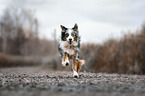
19,39
123,56
19,34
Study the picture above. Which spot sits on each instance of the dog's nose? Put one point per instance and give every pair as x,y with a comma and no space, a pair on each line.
70,39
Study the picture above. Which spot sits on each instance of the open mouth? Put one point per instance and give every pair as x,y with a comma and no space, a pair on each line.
70,42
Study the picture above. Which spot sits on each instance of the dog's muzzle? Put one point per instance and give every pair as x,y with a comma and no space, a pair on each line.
70,41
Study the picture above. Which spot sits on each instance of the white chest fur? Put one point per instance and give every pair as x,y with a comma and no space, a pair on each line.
67,47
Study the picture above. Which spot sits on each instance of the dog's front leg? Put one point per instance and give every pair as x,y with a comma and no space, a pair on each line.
65,60
77,64
75,73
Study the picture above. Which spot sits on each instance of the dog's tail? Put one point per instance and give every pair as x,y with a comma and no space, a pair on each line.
80,64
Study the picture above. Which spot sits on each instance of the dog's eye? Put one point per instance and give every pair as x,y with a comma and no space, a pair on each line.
72,34
66,34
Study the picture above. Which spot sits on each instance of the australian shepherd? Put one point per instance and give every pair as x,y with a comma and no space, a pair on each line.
69,47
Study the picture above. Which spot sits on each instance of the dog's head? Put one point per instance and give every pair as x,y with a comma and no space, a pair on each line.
69,34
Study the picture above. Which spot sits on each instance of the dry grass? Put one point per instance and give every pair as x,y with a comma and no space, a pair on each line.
124,56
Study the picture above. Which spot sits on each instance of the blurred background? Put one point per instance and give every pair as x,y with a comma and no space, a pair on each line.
112,33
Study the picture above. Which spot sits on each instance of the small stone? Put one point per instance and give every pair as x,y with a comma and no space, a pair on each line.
61,84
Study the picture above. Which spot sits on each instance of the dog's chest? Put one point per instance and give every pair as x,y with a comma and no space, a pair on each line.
70,49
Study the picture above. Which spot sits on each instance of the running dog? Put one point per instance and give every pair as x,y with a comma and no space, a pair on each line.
68,47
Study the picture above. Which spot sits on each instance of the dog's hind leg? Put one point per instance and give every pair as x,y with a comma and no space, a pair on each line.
79,65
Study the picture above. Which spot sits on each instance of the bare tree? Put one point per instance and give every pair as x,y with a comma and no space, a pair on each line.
14,24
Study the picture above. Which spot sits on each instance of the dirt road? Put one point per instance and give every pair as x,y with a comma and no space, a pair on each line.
38,82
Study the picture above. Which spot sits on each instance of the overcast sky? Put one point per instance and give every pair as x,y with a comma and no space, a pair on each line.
98,20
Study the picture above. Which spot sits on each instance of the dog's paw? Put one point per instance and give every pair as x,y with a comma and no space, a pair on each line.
64,64
75,74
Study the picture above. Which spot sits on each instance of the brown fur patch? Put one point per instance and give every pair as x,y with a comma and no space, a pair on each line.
80,63
75,64
74,61
65,57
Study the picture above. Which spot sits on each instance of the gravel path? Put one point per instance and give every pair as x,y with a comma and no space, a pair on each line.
38,82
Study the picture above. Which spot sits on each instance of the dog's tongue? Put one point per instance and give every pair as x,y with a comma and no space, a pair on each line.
70,42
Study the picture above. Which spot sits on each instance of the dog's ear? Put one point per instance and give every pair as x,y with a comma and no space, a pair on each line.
63,28
75,28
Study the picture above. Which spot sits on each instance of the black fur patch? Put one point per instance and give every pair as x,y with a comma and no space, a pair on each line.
63,38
